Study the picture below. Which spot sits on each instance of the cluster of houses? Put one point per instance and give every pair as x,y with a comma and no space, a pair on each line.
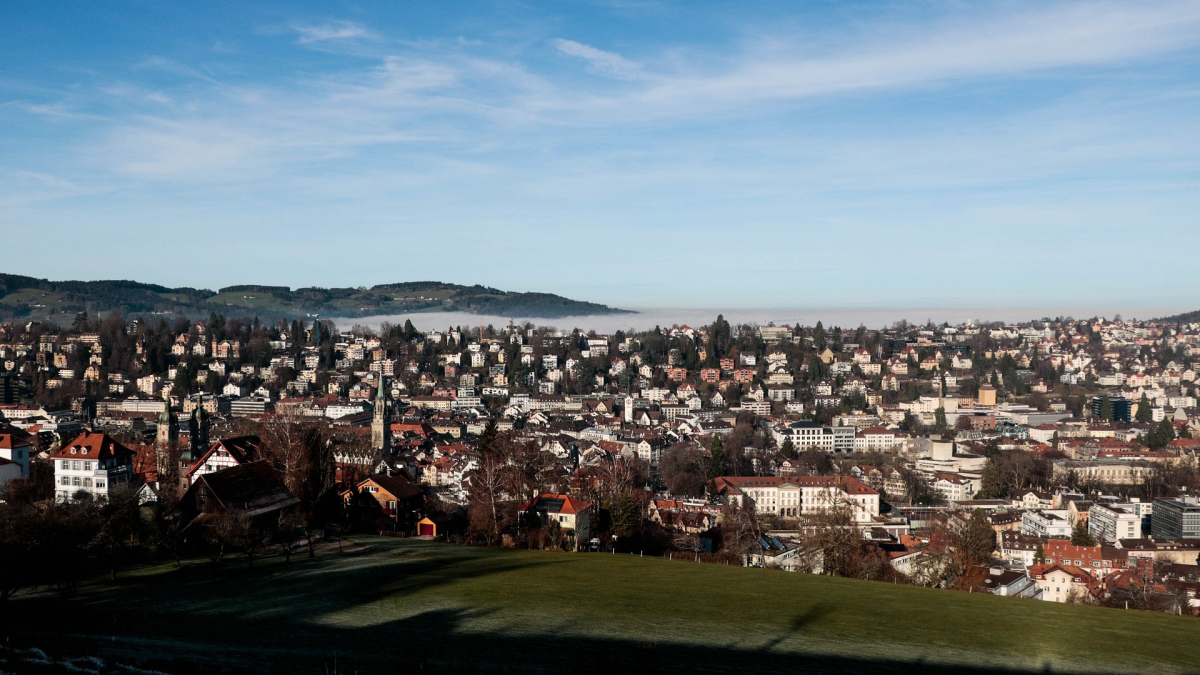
931,401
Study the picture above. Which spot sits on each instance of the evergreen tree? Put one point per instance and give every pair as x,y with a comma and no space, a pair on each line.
716,462
1106,409
788,449
1144,413
989,484
1039,555
626,516
1080,535
1160,436
819,336
939,419
488,439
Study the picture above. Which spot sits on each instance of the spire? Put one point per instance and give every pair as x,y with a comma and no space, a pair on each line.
380,431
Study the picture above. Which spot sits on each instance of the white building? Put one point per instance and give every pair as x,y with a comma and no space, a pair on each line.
94,463
793,496
1046,523
1110,522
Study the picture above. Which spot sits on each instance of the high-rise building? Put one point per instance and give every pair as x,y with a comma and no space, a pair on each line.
1122,408
1177,518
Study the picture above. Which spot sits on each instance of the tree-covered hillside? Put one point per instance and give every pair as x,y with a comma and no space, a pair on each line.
24,297
1186,317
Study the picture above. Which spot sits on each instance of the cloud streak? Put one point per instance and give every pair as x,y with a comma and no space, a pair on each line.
334,30
600,61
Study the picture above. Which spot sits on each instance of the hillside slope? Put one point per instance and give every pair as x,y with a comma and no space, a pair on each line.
1185,317
391,605
29,298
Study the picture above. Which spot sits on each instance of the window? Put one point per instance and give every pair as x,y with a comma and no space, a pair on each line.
75,481
87,482
66,465
87,466
65,481
75,465
100,484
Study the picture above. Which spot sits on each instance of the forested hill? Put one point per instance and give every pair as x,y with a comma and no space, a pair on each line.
29,298
1186,317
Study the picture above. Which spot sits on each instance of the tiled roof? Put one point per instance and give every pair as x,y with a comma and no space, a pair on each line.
92,446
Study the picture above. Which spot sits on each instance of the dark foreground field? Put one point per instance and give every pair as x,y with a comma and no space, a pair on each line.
405,606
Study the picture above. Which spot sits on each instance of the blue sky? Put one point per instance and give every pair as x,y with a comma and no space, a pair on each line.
635,153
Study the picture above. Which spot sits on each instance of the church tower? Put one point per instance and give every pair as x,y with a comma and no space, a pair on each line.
197,436
380,430
200,440
168,436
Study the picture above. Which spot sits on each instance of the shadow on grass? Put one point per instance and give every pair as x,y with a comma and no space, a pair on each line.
432,642
264,621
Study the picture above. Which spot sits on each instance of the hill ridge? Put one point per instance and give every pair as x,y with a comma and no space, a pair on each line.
24,297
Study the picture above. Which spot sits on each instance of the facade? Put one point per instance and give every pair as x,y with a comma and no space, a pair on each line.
573,515
1059,583
396,497
253,491
1045,523
1176,518
17,447
225,454
795,496
1110,522
93,463
805,435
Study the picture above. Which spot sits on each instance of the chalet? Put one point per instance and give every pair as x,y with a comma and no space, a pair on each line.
252,491
224,454
393,497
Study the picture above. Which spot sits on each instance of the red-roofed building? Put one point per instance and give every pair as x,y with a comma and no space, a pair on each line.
94,463
17,446
572,514
225,454
1059,583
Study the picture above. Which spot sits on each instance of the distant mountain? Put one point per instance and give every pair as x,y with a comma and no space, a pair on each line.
1186,317
29,298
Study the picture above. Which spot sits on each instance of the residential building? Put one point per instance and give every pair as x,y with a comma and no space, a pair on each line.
572,514
1060,583
93,463
1110,522
1045,523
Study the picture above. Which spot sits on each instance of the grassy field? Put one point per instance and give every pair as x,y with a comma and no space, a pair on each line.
387,605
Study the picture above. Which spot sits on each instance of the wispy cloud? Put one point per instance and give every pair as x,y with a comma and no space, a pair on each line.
851,131
334,30
898,57
600,61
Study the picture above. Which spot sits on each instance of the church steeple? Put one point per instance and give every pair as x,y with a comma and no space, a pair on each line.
167,438
380,430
